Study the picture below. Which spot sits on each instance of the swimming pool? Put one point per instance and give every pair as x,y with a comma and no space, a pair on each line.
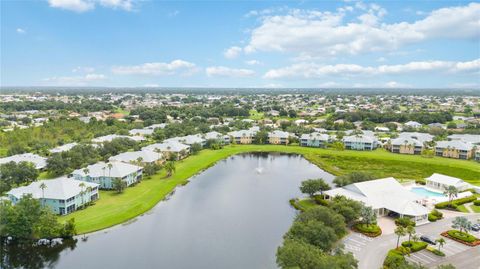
426,193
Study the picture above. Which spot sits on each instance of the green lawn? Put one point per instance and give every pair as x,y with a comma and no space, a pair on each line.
305,204
112,209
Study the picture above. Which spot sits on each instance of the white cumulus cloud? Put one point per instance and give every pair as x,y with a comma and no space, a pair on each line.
74,80
232,52
314,33
86,5
21,31
222,71
315,70
156,68
253,62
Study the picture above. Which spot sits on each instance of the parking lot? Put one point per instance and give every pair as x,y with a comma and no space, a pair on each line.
451,248
355,242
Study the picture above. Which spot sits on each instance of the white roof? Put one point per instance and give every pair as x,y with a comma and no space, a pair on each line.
188,140
413,123
280,134
474,139
100,169
421,137
214,135
455,144
141,131
155,126
360,138
446,180
316,136
109,138
63,148
147,156
242,133
168,146
58,188
39,161
383,193
406,140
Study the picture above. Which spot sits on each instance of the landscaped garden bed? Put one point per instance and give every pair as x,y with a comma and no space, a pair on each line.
414,246
462,237
435,215
370,230
455,203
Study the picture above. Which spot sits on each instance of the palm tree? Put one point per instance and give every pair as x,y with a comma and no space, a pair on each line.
410,230
139,161
462,223
170,168
86,171
441,242
415,238
400,231
451,192
82,192
43,186
110,166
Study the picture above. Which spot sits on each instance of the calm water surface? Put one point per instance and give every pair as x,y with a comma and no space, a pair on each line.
233,215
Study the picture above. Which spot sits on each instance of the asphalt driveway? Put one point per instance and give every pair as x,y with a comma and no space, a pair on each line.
371,252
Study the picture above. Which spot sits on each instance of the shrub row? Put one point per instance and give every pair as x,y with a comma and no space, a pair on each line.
372,230
320,200
476,202
435,215
421,181
414,246
456,203
462,236
293,203
404,222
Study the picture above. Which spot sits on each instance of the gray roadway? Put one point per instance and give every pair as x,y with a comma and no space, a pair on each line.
371,252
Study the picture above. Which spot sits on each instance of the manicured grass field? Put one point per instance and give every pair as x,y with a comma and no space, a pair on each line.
305,204
112,208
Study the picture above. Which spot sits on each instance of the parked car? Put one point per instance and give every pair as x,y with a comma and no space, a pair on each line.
476,227
427,239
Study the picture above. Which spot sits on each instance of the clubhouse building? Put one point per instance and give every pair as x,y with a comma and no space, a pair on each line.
387,197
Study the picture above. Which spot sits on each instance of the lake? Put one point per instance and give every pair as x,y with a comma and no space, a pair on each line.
233,215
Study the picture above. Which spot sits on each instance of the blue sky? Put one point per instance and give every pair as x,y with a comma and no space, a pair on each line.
240,43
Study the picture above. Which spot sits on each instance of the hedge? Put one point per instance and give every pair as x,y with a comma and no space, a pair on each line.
320,200
293,203
476,202
432,217
462,236
372,230
435,215
414,246
421,181
394,259
456,202
405,222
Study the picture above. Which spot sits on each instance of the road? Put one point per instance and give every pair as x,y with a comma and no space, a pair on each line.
371,252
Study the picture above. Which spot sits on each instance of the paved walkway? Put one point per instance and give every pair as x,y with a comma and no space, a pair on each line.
467,206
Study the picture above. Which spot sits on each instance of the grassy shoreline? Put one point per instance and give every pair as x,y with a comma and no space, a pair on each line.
112,209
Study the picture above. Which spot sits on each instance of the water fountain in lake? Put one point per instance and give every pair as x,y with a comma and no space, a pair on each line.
259,168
